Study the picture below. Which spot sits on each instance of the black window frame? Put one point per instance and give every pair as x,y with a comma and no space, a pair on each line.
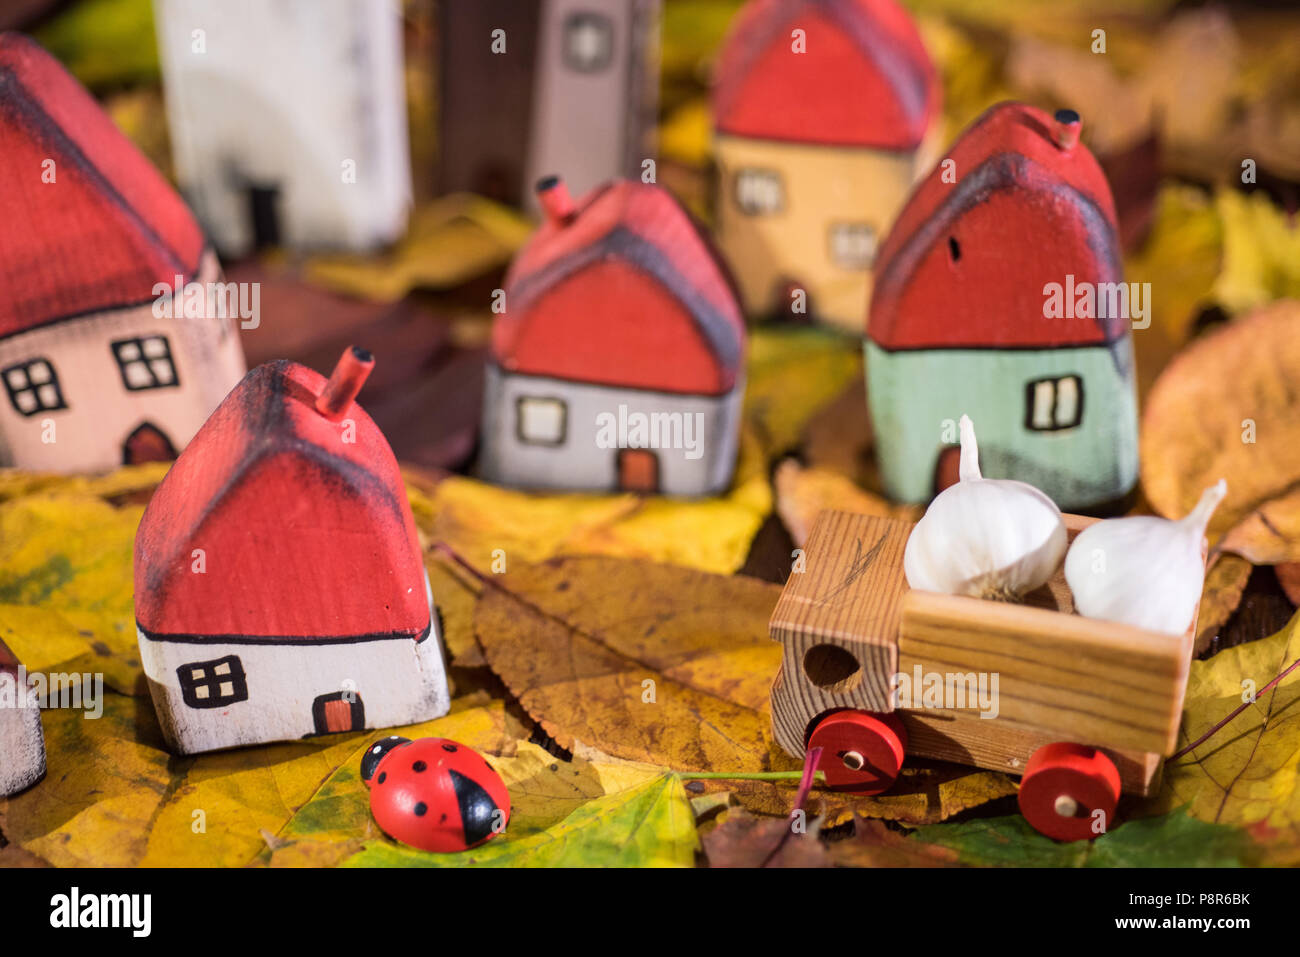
564,420
35,390
1030,397
190,684
116,347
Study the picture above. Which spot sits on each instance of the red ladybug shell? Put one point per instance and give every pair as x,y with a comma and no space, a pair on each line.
438,795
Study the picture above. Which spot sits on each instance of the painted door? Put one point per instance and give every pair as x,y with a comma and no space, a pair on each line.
638,470
147,443
340,711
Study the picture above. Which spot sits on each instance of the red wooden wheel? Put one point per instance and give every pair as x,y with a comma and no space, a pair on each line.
861,752
1069,792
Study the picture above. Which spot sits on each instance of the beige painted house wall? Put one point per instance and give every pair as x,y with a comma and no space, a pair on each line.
822,187
101,412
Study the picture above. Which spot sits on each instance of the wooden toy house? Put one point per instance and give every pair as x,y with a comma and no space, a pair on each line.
575,89
22,742
288,119
617,362
874,671
100,363
279,585
822,110
999,296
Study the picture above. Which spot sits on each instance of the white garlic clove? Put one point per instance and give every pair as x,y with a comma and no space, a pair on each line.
1143,571
986,538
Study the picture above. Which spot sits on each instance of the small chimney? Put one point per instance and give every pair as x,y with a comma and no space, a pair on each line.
345,382
1066,129
556,203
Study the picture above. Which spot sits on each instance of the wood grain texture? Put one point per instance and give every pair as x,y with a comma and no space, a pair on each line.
1093,682
848,597
1000,745
1059,677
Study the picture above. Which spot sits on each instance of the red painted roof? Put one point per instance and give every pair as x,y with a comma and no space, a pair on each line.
863,80
966,263
626,292
106,230
304,535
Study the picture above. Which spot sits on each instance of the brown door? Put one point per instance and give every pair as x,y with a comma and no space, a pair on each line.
332,713
638,470
147,443
946,470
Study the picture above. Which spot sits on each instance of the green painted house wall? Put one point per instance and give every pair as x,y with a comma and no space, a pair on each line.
917,396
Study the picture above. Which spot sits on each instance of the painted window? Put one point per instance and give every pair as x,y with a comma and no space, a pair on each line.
1054,404
541,421
33,386
145,363
853,245
759,192
588,42
213,684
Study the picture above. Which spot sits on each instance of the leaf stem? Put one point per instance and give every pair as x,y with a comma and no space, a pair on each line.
1244,705
820,776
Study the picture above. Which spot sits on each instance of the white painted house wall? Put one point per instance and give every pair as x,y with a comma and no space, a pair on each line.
22,748
400,681
579,463
284,93
101,412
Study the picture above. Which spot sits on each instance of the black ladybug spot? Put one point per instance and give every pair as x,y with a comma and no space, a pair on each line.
421,809
449,747
444,819
383,776
419,766
954,248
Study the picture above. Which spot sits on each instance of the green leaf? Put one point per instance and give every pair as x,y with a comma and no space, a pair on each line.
647,825
1172,840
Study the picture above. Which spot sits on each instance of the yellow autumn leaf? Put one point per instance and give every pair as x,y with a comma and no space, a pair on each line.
792,373
1248,773
67,559
114,796
1261,251
1181,258
802,493
450,241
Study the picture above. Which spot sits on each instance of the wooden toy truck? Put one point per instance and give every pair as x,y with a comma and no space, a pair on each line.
1082,709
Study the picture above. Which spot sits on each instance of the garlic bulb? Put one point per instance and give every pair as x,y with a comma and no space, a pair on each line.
1143,571
987,538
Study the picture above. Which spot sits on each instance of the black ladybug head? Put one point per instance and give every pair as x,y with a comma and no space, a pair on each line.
375,753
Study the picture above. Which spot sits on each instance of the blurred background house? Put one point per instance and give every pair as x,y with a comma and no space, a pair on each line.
1193,111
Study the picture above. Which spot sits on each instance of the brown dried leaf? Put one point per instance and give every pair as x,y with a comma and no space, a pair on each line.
925,793
1288,576
1236,384
1224,584
742,839
801,493
641,661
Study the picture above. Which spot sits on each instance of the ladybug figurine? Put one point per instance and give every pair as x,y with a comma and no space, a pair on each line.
434,794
